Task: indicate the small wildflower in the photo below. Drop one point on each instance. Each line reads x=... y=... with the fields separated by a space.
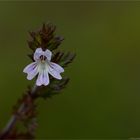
x=43 y=67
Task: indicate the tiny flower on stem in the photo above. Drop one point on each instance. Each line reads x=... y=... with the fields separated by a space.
x=43 y=67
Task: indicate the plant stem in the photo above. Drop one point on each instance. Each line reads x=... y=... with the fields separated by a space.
x=12 y=121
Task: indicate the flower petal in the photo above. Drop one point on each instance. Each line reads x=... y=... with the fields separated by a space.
x=48 y=54
x=56 y=67
x=30 y=67
x=54 y=73
x=38 y=53
x=39 y=80
x=32 y=73
x=46 y=78
x=43 y=78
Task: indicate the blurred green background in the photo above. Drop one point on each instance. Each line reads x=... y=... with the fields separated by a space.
x=102 y=99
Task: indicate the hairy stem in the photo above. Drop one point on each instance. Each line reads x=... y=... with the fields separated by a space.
x=12 y=121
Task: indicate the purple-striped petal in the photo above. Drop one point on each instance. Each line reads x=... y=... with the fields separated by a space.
x=56 y=67
x=48 y=54
x=43 y=78
x=30 y=67
x=38 y=53
x=54 y=73
x=46 y=78
x=32 y=73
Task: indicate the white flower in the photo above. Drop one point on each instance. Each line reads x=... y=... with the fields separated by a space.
x=43 y=67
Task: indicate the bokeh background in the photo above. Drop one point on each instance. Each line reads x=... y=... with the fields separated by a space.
x=102 y=99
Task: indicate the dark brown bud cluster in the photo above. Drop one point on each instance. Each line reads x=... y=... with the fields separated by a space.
x=45 y=38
